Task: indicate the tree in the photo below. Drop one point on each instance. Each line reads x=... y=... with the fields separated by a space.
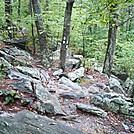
x=39 y=23
x=112 y=33
x=45 y=53
x=8 y=12
x=66 y=33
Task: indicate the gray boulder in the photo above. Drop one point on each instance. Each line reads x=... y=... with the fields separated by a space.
x=115 y=85
x=70 y=84
x=78 y=73
x=11 y=59
x=49 y=102
x=24 y=86
x=14 y=51
x=93 y=89
x=129 y=85
x=26 y=122
x=73 y=63
x=114 y=102
x=57 y=72
x=91 y=109
x=32 y=72
x=72 y=95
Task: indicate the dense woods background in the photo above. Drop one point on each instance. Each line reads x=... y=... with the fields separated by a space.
x=92 y=32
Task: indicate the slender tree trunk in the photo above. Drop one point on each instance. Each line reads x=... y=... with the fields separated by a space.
x=66 y=33
x=45 y=52
x=19 y=6
x=39 y=23
x=8 y=12
x=32 y=27
x=112 y=34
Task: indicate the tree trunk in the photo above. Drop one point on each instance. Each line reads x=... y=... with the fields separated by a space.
x=112 y=33
x=66 y=33
x=32 y=27
x=45 y=52
x=19 y=6
x=39 y=23
x=8 y=12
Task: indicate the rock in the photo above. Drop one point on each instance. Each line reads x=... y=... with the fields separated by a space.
x=122 y=77
x=18 y=76
x=14 y=51
x=72 y=95
x=70 y=117
x=51 y=90
x=19 y=42
x=101 y=85
x=7 y=63
x=128 y=126
x=63 y=86
x=7 y=57
x=91 y=109
x=93 y=89
x=32 y=72
x=44 y=74
x=25 y=122
x=114 y=102
x=125 y=127
x=26 y=101
x=24 y=86
x=11 y=59
x=73 y=63
x=56 y=55
x=90 y=77
x=70 y=84
x=58 y=72
x=98 y=69
x=129 y=85
x=115 y=85
x=78 y=73
x=78 y=56
x=132 y=129
x=49 y=102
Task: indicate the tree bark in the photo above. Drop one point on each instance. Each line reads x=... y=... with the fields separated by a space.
x=66 y=33
x=39 y=23
x=32 y=27
x=112 y=34
x=45 y=52
x=8 y=12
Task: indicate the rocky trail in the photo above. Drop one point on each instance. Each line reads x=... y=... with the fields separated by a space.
x=38 y=100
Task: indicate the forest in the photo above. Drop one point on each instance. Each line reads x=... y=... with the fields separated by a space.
x=88 y=34
x=67 y=61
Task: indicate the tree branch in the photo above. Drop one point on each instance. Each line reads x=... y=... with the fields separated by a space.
x=125 y=20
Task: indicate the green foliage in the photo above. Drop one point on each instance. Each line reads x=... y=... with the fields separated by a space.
x=89 y=26
x=10 y=95
x=3 y=68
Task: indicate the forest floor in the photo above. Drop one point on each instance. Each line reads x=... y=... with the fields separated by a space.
x=91 y=124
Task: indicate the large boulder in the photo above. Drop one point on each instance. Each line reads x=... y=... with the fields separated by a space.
x=114 y=102
x=115 y=85
x=14 y=51
x=72 y=95
x=48 y=102
x=26 y=122
x=33 y=72
x=91 y=109
x=69 y=83
x=78 y=73
x=129 y=86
